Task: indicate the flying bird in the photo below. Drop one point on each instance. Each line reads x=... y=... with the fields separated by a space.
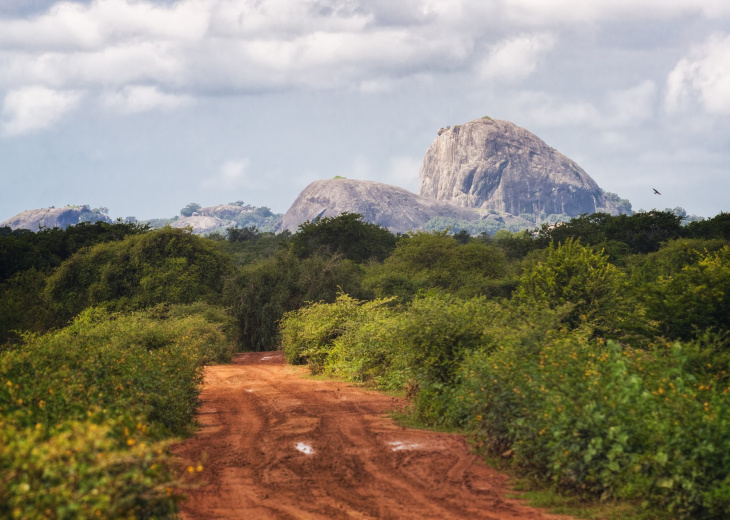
x=656 y=192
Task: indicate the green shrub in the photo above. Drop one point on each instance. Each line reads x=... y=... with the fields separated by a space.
x=573 y=274
x=83 y=470
x=347 y=234
x=694 y=299
x=308 y=334
x=598 y=419
x=168 y=265
x=424 y=261
x=84 y=412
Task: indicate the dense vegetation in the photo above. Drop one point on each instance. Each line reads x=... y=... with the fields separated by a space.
x=593 y=355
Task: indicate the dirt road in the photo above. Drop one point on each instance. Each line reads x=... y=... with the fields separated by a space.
x=278 y=446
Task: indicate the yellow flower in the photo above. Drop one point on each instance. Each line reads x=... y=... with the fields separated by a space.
x=130 y=442
x=191 y=469
x=199 y=468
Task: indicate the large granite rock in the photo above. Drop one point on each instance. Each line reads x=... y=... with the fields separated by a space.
x=492 y=164
x=34 y=219
x=392 y=207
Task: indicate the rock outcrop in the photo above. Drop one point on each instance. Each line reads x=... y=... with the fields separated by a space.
x=392 y=207
x=34 y=219
x=202 y=224
x=492 y=164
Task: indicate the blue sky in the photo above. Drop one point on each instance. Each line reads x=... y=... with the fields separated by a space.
x=144 y=106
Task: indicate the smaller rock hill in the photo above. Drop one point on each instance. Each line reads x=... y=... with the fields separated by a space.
x=34 y=219
x=389 y=206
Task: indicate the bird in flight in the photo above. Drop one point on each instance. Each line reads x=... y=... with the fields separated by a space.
x=656 y=192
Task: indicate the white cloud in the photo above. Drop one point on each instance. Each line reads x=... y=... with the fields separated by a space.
x=197 y=47
x=515 y=58
x=703 y=77
x=564 y=12
x=231 y=174
x=34 y=108
x=140 y=98
x=621 y=108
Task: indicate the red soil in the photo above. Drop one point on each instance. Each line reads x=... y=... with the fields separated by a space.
x=259 y=419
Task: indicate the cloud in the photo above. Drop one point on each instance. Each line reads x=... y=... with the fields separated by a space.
x=620 y=108
x=515 y=58
x=117 y=49
x=34 y=108
x=703 y=77
x=231 y=174
x=139 y=98
x=569 y=12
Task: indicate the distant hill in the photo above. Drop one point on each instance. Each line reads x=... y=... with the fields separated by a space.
x=34 y=219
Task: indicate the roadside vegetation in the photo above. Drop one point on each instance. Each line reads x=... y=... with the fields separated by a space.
x=593 y=356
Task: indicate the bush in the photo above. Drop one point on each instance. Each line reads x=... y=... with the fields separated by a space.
x=598 y=419
x=84 y=412
x=573 y=274
x=436 y=260
x=694 y=299
x=347 y=234
x=168 y=265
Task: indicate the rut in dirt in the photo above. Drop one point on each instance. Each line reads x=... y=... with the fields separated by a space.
x=275 y=445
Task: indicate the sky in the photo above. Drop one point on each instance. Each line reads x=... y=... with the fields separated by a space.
x=143 y=106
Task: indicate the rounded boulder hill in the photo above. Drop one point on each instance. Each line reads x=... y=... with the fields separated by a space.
x=490 y=164
x=35 y=219
x=392 y=207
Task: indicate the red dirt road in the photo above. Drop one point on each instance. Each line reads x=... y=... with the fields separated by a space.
x=278 y=446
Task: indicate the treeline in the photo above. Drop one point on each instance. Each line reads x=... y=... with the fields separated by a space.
x=591 y=354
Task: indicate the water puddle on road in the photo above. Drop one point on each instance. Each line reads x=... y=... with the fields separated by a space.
x=398 y=445
x=305 y=448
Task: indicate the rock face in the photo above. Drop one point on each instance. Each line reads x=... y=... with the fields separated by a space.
x=389 y=206
x=492 y=164
x=202 y=224
x=34 y=219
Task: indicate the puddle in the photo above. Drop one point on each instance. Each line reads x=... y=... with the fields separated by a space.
x=266 y=357
x=305 y=448
x=398 y=445
x=249 y=389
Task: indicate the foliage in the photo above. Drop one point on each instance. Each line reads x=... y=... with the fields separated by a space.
x=167 y=265
x=308 y=334
x=599 y=419
x=21 y=249
x=191 y=208
x=715 y=227
x=347 y=234
x=694 y=299
x=573 y=274
x=263 y=291
x=642 y=232
x=423 y=261
x=84 y=412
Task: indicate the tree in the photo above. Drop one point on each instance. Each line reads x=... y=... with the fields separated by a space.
x=191 y=208
x=347 y=234
x=577 y=275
